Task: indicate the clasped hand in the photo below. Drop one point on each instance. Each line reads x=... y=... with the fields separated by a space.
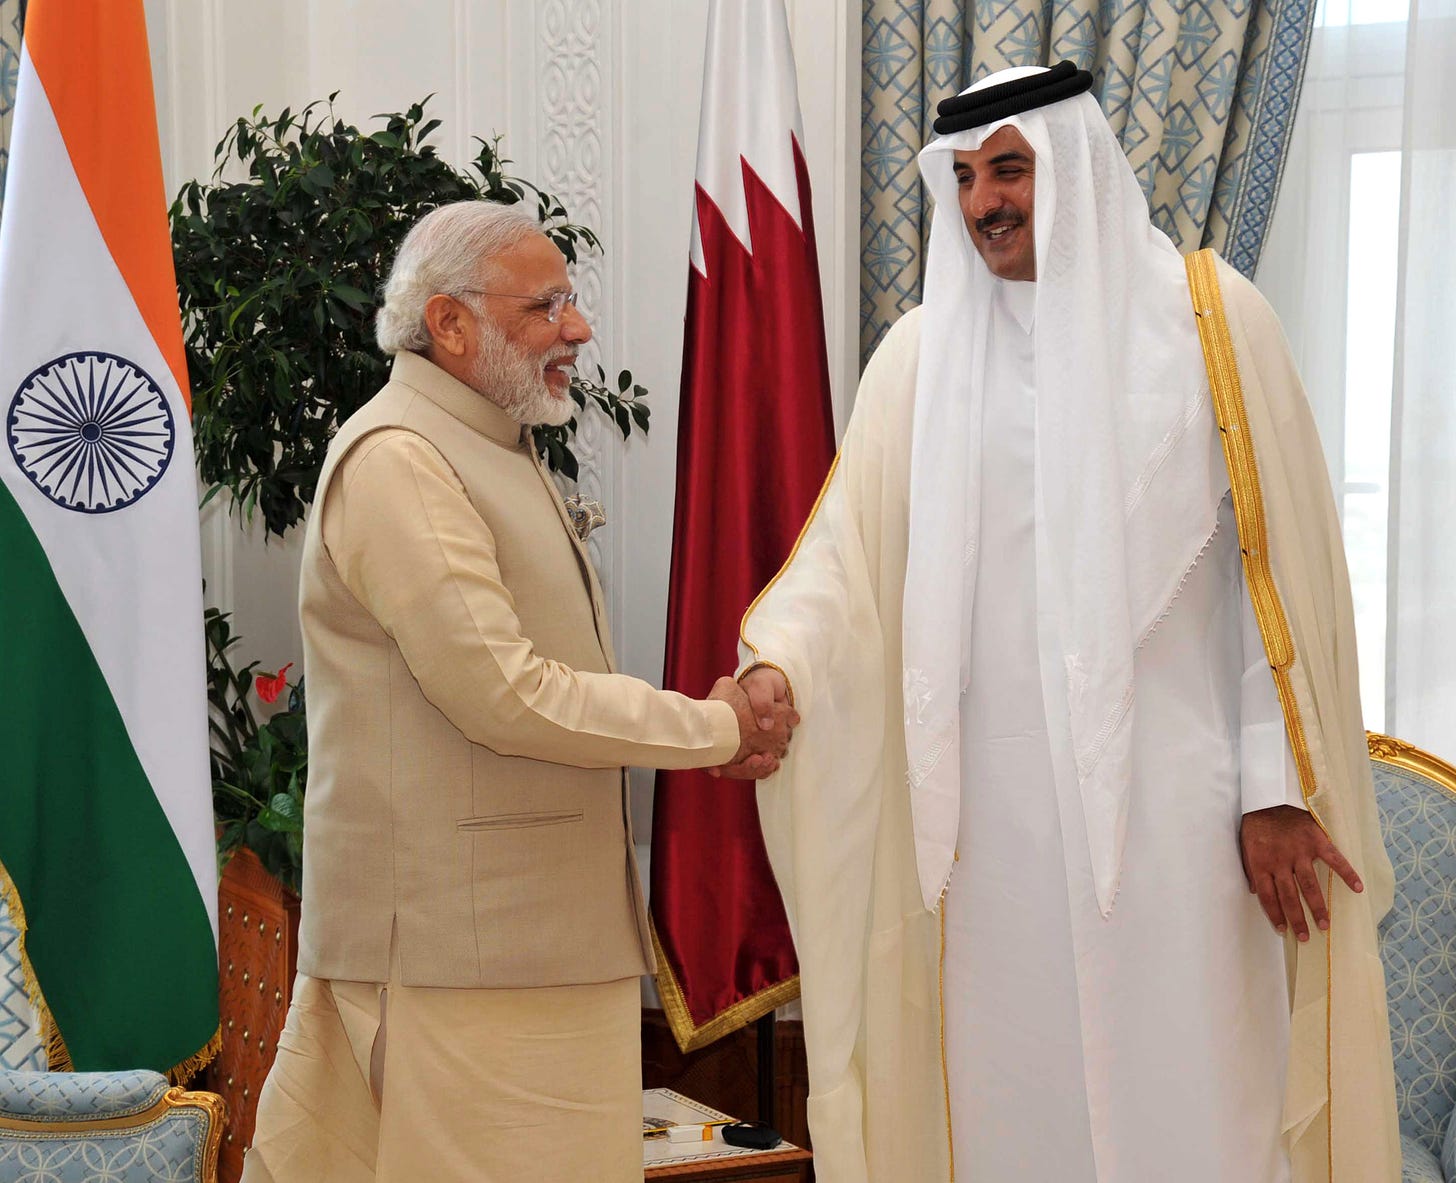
x=766 y=721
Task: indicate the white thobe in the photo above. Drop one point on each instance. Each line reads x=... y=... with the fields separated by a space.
x=1150 y=1043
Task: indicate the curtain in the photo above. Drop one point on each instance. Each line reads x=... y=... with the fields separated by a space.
x=1420 y=660
x=1201 y=94
x=10 y=20
x=1359 y=264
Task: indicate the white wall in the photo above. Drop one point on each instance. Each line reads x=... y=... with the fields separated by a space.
x=598 y=101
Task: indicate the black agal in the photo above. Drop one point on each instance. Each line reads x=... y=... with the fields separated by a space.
x=980 y=107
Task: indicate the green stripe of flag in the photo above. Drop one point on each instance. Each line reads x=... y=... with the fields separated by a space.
x=118 y=936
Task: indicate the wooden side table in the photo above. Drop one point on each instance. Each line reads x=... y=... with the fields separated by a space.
x=790 y=1165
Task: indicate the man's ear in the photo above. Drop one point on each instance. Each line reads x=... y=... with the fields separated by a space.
x=449 y=325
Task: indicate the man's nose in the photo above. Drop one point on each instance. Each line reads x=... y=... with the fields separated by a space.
x=984 y=199
x=574 y=328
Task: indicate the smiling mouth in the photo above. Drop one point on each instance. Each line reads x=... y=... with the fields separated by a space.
x=1000 y=232
x=560 y=366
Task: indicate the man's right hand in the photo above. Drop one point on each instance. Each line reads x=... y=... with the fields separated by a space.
x=763 y=731
x=766 y=687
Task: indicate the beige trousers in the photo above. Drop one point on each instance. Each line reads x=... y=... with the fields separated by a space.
x=396 y=1084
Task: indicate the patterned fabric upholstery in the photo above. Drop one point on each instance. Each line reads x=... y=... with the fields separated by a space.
x=20 y=1044
x=169 y=1142
x=1418 y=1165
x=77 y=1096
x=1418 y=944
x=1201 y=94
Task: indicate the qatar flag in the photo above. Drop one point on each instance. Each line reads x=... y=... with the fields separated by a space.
x=755 y=441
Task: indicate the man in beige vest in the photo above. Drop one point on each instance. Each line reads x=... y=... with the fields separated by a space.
x=473 y=930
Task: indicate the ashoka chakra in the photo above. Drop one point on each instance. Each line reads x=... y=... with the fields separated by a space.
x=91 y=430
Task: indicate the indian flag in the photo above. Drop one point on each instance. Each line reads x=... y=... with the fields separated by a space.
x=106 y=833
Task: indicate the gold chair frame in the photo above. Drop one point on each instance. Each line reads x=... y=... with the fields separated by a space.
x=1396 y=752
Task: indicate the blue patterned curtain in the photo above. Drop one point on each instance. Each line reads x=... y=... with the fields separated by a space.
x=10 y=17
x=1201 y=93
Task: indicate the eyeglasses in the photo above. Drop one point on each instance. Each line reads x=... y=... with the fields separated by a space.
x=553 y=305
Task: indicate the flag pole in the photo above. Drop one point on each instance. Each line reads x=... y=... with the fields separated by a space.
x=766 y=1068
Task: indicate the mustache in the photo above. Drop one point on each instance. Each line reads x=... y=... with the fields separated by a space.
x=998 y=217
x=562 y=359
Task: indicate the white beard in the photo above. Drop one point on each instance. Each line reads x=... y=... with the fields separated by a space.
x=515 y=381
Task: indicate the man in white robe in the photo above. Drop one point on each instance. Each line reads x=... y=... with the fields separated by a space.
x=1021 y=594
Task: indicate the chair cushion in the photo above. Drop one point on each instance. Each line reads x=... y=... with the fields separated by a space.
x=1448 y=1150
x=61 y=1146
x=79 y=1096
x=167 y=1148
x=1417 y=1164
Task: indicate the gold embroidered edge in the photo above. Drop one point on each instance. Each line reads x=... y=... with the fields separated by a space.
x=691 y=1036
x=944 y=1063
x=1243 y=469
x=798 y=542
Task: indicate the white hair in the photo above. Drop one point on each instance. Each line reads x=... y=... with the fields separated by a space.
x=450 y=249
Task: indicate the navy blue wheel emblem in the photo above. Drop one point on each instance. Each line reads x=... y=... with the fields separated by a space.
x=91 y=430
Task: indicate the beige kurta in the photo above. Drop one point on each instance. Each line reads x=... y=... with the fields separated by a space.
x=468 y=845
x=837 y=818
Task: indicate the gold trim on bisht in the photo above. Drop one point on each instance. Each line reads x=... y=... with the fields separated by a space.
x=1396 y=752
x=1243 y=470
x=798 y=542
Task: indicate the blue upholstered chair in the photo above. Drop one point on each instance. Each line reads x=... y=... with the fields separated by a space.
x=123 y=1127
x=75 y=1127
x=1417 y=797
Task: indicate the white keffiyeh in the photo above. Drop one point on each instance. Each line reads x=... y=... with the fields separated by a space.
x=1128 y=473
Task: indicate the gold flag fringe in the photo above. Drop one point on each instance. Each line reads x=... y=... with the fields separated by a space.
x=58 y=1056
x=50 y=1038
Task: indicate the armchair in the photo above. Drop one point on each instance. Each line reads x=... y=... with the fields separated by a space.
x=129 y=1127
x=1416 y=793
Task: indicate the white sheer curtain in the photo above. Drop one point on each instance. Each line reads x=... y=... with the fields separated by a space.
x=1359 y=264
x=1420 y=680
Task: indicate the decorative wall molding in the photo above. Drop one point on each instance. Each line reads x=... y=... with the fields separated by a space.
x=574 y=104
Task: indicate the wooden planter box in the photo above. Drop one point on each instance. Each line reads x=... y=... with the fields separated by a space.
x=257 y=956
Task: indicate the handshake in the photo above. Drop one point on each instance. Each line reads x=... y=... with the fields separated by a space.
x=766 y=721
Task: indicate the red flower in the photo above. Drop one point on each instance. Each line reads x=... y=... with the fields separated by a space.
x=270 y=686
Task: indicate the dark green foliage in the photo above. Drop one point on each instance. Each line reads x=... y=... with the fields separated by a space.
x=259 y=770
x=279 y=274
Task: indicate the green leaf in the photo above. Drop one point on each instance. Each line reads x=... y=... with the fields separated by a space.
x=283 y=814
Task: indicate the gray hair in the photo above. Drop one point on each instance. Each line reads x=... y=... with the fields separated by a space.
x=448 y=250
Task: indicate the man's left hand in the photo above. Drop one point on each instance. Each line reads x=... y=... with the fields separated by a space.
x=1279 y=848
